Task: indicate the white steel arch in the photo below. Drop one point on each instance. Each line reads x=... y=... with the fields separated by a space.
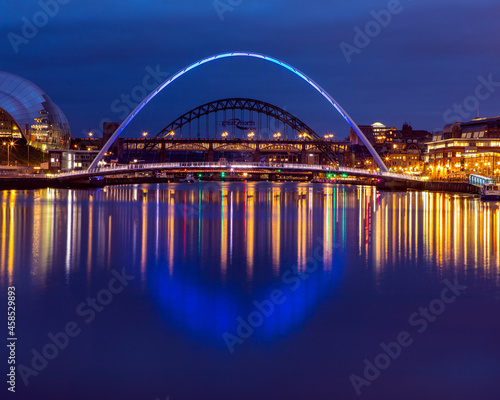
x=174 y=77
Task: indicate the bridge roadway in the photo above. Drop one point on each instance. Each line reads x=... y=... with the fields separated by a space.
x=113 y=169
x=143 y=148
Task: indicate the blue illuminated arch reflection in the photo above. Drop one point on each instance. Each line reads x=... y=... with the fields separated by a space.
x=208 y=312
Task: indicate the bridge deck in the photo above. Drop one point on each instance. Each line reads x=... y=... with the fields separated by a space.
x=236 y=166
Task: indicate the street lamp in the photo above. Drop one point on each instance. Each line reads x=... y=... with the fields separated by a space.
x=225 y=134
x=5 y=144
x=44 y=147
x=144 y=135
x=277 y=135
x=251 y=135
x=9 y=145
x=90 y=134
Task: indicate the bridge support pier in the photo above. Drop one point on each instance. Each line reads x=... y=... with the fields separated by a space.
x=256 y=154
x=210 y=153
x=303 y=155
x=162 y=155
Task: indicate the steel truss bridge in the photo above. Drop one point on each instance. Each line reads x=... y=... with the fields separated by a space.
x=295 y=137
x=252 y=167
x=297 y=150
x=273 y=114
x=260 y=107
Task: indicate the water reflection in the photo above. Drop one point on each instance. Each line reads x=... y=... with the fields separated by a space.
x=208 y=250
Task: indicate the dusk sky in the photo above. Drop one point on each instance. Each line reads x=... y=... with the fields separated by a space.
x=429 y=57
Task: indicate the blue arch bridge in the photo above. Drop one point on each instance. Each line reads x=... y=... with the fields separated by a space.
x=297 y=140
x=282 y=117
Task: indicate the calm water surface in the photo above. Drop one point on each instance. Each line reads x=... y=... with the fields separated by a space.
x=351 y=266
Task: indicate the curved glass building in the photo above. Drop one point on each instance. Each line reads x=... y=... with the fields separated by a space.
x=31 y=113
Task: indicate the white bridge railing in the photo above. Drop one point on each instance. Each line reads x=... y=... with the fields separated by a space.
x=117 y=168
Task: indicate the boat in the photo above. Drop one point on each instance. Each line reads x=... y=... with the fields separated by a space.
x=490 y=191
x=188 y=179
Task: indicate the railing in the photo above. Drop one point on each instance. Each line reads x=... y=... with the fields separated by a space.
x=18 y=175
x=233 y=165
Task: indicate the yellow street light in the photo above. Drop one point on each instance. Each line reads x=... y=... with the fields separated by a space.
x=144 y=134
x=225 y=134
x=9 y=145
